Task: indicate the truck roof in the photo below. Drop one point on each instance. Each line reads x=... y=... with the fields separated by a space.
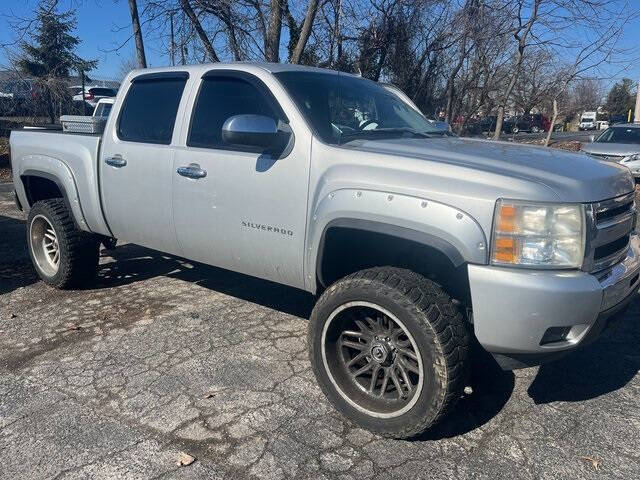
x=202 y=68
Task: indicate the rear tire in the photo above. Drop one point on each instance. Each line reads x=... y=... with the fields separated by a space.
x=390 y=350
x=62 y=255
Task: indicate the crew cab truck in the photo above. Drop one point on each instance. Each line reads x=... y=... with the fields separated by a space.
x=416 y=242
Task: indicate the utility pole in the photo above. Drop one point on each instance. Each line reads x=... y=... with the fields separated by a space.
x=182 y=42
x=172 y=45
x=84 y=102
x=636 y=116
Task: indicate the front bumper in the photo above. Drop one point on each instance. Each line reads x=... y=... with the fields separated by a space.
x=514 y=308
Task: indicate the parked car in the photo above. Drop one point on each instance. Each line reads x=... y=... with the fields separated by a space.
x=619 y=143
x=481 y=125
x=588 y=121
x=415 y=241
x=529 y=123
x=613 y=119
x=91 y=94
x=103 y=107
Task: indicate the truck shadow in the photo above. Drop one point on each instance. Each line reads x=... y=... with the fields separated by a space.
x=15 y=266
x=492 y=388
x=134 y=263
x=600 y=368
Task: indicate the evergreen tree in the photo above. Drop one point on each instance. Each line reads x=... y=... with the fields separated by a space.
x=50 y=59
x=620 y=98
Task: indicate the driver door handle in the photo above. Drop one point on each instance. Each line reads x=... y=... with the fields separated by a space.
x=192 y=170
x=115 y=161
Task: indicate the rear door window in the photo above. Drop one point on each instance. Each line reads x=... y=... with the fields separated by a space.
x=149 y=111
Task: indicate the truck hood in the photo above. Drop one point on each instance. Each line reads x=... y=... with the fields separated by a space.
x=611 y=149
x=573 y=177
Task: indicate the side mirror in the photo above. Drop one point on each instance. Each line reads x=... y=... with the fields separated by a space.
x=592 y=138
x=251 y=130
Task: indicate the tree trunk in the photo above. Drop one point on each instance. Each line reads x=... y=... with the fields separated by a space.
x=522 y=43
x=272 y=41
x=553 y=122
x=186 y=8
x=312 y=9
x=50 y=109
x=137 y=33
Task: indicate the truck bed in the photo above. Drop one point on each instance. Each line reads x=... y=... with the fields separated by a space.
x=73 y=156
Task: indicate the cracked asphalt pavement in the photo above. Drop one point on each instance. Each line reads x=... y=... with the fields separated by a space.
x=162 y=356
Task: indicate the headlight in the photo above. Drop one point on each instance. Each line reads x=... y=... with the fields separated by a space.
x=540 y=235
x=631 y=158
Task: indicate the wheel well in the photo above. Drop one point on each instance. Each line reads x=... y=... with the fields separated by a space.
x=40 y=188
x=348 y=250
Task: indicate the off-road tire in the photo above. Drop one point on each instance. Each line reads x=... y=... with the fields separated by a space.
x=79 y=250
x=435 y=323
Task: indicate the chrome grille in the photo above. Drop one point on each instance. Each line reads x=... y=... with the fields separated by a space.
x=609 y=226
x=607 y=156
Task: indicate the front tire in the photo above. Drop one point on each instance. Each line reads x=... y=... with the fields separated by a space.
x=62 y=255
x=389 y=349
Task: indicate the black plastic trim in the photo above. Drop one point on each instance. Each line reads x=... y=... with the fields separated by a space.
x=451 y=252
x=180 y=75
x=17 y=201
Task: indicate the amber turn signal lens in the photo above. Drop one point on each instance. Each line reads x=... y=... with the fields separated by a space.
x=505 y=250
x=507 y=219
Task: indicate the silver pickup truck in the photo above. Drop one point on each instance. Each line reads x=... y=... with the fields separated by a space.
x=418 y=243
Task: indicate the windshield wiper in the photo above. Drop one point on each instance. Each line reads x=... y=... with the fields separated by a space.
x=347 y=137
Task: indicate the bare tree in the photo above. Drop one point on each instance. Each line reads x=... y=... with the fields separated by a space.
x=188 y=10
x=272 y=39
x=521 y=34
x=137 y=33
x=305 y=32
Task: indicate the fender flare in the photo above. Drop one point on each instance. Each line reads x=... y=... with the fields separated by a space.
x=443 y=227
x=59 y=173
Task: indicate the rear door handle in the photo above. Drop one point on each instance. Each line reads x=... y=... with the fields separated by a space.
x=115 y=161
x=192 y=170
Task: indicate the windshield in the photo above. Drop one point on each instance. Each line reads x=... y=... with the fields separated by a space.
x=342 y=108
x=587 y=119
x=620 y=135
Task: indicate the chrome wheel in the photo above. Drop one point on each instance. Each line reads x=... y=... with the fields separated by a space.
x=44 y=245
x=372 y=359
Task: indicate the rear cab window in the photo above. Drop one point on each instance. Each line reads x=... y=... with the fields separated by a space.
x=148 y=114
x=103 y=92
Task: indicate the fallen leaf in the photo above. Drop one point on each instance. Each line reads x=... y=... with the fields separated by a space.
x=185 y=459
x=147 y=311
x=13 y=315
x=594 y=462
x=74 y=327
